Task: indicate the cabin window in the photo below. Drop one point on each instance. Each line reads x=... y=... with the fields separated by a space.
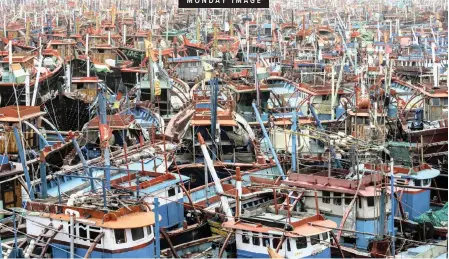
x=417 y=182
x=337 y=200
x=82 y=231
x=444 y=101
x=436 y=101
x=93 y=233
x=326 y=197
x=370 y=201
x=360 y=203
x=266 y=241
x=149 y=231
x=301 y=242
x=179 y=189
x=348 y=199
x=120 y=236
x=326 y=97
x=137 y=233
x=276 y=241
x=256 y=240
x=401 y=181
x=325 y=236
x=425 y=182
x=245 y=238
x=171 y=192
x=289 y=248
x=315 y=239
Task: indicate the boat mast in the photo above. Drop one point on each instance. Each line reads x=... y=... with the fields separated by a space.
x=267 y=138
x=213 y=84
x=105 y=144
x=217 y=182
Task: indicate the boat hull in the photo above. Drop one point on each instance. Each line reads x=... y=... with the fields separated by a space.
x=145 y=250
x=47 y=85
x=326 y=253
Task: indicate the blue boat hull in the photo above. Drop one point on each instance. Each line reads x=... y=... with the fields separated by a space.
x=63 y=251
x=326 y=253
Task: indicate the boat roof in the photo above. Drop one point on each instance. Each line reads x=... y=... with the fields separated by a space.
x=116 y=121
x=202 y=117
x=132 y=216
x=78 y=80
x=301 y=226
x=149 y=182
x=19 y=113
x=62 y=42
x=184 y=59
x=16 y=58
x=423 y=171
x=316 y=178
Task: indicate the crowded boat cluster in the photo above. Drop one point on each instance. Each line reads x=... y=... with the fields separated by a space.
x=309 y=129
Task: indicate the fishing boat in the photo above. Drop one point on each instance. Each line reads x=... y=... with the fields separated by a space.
x=82 y=229
x=292 y=237
x=20 y=71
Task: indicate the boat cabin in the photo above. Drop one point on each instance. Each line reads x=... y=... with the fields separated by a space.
x=121 y=127
x=294 y=236
x=124 y=232
x=16 y=72
x=163 y=185
x=336 y=190
x=416 y=201
x=64 y=48
x=12 y=116
x=189 y=69
x=108 y=55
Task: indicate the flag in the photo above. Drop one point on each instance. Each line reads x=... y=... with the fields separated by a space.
x=148 y=46
x=157 y=88
x=105 y=132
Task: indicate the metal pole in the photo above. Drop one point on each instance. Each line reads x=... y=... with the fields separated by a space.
x=218 y=187
x=333 y=91
x=273 y=152
x=382 y=213
x=238 y=186
x=68 y=78
x=137 y=185
x=87 y=56
x=103 y=120
x=15 y=235
x=256 y=83
x=59 y=190
x=206 y=183
x=27 y=89
x=72 y=235
x=43 y=171
x=213 y=84
x=392 y=207
x=23 y=161
x=36 y=82
x=156 y=226
x=294 y=127
x=103 y=186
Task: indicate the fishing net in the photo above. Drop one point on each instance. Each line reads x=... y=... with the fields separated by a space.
x=436 y=218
